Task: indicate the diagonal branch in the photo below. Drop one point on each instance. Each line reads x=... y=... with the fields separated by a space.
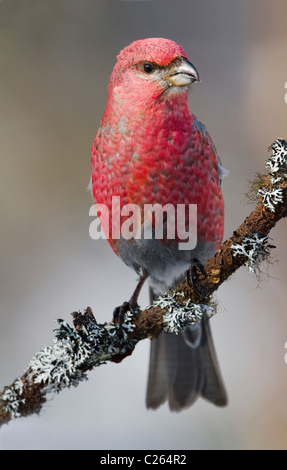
x=87 y=344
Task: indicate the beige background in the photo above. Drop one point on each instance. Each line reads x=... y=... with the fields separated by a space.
x=55 y=60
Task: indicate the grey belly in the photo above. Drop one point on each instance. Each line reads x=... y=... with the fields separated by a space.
x=166 y=265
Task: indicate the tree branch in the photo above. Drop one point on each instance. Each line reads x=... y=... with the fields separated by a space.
x=87 y=344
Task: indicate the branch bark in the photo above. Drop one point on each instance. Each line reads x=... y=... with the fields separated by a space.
x=87 y=344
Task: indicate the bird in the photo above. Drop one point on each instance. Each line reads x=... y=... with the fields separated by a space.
x=151 y=150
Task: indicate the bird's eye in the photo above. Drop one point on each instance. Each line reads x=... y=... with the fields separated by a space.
x=148 y=67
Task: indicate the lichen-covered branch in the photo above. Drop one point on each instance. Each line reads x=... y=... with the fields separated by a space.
x=87 y=344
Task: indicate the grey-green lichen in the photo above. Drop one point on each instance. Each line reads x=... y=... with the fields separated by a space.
x=74 y=352
x=65 y=363
x=277 y=165
x=11 y=398
x=271 y=197
x=58 y=366
x=178 y=317
x=255 y=248
x=278 y=161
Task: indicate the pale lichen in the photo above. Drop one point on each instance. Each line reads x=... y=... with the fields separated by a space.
x=58 y=366
x=255 y=248
x=277 y=163
x=12 y=398
x=271 y=197
x=178 y=317
x=74 y=352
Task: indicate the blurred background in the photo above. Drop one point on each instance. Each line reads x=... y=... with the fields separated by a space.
x=56 y=57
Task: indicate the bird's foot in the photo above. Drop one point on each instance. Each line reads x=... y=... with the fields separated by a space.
x=191 y=275
x=132 y=305
x=119 y=312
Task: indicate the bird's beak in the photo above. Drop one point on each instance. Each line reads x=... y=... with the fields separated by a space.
x=182 y=73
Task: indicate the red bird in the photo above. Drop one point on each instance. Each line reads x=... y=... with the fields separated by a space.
x=150 y=149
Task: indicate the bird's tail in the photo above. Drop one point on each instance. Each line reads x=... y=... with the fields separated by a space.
x=184 y=367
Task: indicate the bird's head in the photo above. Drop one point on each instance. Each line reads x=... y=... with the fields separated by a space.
x=150 y=67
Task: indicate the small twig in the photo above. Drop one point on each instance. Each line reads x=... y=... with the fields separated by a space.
x=88 y=344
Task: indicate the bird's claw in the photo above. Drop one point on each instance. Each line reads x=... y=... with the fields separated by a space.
x=191 y=275
x=119 y=312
